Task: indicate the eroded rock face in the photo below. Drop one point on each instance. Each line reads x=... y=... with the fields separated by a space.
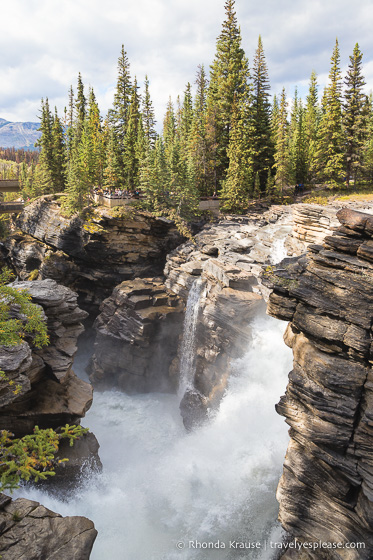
x=228 y=259
x=138 y=331
x=50 y=393
x=29 y=531
x=90 y=256
x=326 y=490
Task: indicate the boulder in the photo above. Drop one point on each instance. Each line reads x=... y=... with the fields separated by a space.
x=29 y=531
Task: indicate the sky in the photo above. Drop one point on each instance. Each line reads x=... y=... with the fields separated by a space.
x=44 y=44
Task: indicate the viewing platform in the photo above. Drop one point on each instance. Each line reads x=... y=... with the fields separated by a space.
x=9 y=185
x=11 y=207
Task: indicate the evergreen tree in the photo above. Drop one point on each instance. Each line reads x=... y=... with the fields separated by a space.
x=274 y=119
x=269 y=184
x=69 y=121
x=311 y=124
x=297 y=145
x=154 y=178
x=43 y=179
x=263 y=147
x=198 y=142
x=80 y=109
x=354 y=116
x=112 y=172
x=118 y=116
x=90 y=148
x=239 y=184
x=169 y=132
x=330 y=139
x=225 y=80
x=282 y=163
x=131 y=154
x=78 y=187
x=148 y=117
x=368 y=147
x=58 y=163
x=257 y=191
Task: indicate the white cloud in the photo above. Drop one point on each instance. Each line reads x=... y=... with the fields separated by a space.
x=45 y=43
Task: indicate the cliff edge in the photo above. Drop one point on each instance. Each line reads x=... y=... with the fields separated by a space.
x=326 y=490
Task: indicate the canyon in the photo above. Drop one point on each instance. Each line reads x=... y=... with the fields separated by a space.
x=133 y=274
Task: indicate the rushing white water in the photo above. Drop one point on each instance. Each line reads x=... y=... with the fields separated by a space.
x=187 y=355
x=161 y=485
x=278 y=250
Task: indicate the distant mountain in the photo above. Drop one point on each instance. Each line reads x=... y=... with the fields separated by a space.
x=18 y=134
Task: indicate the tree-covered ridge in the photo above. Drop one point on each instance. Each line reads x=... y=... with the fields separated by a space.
x=227 y=139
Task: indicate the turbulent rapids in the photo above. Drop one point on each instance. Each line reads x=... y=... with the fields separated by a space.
x=162 y=486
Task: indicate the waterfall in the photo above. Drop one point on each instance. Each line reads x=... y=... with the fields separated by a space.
x=162 y=486
x=187 y=354
x=278 y=251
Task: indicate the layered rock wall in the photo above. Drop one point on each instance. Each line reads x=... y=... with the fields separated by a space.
x=137 y=336
x=50 y=393
x=91 y=255
x=326 y=490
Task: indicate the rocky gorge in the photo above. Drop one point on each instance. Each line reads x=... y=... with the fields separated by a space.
x=115 y=264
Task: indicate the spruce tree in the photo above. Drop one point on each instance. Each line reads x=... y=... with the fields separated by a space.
x=198 y=142
x=58 y=167
x=368 y=147
x=274 y=119
x=154 y=178
x=263 y=148
x=91 y=143
x=43 y=179
x=130 y=152
x=330 y=138
x=311 y=124
x=80 y=109
x=240 y=175
x=354 y=116
x=297 y=145
x=112 y=172
x=169 y=132
x=118 y=116
x=225 y=80
x=148 y=118
x=282 y=163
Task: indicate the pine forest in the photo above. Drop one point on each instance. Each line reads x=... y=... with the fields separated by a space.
x=230 y=139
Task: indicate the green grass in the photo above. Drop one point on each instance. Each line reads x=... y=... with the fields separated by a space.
x=363 y=192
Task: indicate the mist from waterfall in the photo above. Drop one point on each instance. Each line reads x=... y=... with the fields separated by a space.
x=187 y=353
x=161 y=485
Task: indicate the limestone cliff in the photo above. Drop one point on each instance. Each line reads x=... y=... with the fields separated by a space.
x=326 y=490
x=92 y=254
